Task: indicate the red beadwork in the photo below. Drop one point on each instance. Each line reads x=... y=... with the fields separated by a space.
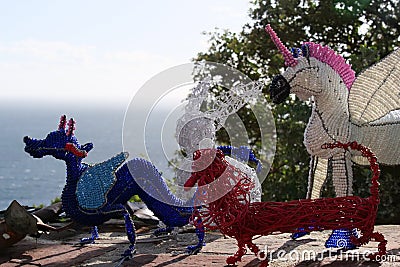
x=235 y=216
x=63 y=122
x=71 y=127
x=74 y=150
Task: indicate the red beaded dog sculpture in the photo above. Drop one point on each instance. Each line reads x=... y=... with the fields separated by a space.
x=235 y=216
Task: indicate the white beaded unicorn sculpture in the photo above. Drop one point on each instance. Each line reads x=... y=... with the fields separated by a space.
x=197 y=128
x=365 y=109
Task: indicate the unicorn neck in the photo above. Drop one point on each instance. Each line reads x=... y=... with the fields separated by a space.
x=334 y=93
x=332 y=108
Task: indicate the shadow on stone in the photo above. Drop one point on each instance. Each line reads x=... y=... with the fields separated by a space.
x=173 y=261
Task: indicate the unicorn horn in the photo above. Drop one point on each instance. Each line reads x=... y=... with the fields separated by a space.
x=289 y=59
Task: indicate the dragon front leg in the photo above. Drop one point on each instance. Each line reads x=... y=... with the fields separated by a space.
x=129 y=227
x=90 y=240
x=200 y=235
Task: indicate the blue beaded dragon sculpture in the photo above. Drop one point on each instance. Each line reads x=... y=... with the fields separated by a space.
x=96 y=193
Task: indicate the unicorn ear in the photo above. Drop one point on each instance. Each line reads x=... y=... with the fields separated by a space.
x=305 y=51
x=295 y=52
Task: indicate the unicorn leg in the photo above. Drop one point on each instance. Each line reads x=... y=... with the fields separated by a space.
x=200 y=235
x=316 y=179
x=90 y=240
x=342 y=176
x=317 y=176
x=300 y=233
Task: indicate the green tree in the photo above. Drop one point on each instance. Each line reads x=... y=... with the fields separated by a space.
x=363 y=31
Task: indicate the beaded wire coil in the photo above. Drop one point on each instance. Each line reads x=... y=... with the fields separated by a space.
x=235 y=216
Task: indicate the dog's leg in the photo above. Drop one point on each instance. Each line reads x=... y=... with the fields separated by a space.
x=381 y=246
x=238 y=255
x=368 y=235
x=260 y=254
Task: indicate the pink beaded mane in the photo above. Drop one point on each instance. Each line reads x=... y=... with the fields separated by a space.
x=335 y=61
x=317 y=51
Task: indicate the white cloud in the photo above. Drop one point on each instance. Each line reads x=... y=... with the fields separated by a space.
x=135 y=57
x=47 y=51
x=31 y=69
x=227 y=12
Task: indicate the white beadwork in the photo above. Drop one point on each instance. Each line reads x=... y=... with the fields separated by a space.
x=196 y=128
x=367 y=115
x=197 y=125
x=255 y=194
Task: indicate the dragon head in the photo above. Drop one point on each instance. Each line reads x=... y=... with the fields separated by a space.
x=61 y=144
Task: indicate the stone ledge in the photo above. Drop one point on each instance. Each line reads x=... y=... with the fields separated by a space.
x=57 y=250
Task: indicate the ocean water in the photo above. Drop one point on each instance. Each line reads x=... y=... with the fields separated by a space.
x=38 y=181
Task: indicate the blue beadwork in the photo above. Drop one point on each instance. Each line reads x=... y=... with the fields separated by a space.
x=130 y=231
x=295 y=52
x=340 y=238
x=164 y=230
x=115 y=188
x=301 y=232
x=96 y=181
x=242 y=153
x=305 y=51
x=200 y=235
x=90 y=240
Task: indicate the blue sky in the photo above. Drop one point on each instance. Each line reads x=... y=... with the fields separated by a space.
x=102 y=50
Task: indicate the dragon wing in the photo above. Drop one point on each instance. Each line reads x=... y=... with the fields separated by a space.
x=96 y=181
x=376 y=91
